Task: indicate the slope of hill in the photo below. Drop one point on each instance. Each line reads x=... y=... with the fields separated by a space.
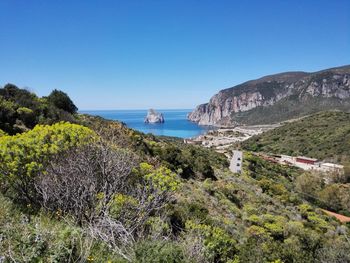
x=96 y=191
x=277 y=97
x=325 y=135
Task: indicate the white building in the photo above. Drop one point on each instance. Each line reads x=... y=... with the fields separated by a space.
x=307 y=163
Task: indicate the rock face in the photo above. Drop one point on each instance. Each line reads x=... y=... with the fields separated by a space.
x=331 y=87
x=154 y=117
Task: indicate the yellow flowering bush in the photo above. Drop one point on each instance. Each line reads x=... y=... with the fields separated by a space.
x=162 y=178
x=23 y=156
x=122 y=202
x=217 y=242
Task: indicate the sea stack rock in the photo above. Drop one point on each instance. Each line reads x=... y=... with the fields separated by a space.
x=154 y=117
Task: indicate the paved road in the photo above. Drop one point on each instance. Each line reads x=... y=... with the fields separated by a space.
x=236 y=161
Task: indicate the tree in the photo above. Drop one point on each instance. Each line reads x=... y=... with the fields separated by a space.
x=7 y=114
x=62 y=101
x=309 y=184
x=19 y=96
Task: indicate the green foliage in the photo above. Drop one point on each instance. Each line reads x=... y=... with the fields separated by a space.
x=332 y=196
x=2 y=133
x=336 y=197
x=309 y=183
x=210 y=215
x=290 y=108
x=151 y=251
x=219 y=245
x=39 y=238
x=23 y=156
x=21 y=110
x=62 y=101
x=162 y=178
x=189 y=161
x=323 y=135
x=120 y=203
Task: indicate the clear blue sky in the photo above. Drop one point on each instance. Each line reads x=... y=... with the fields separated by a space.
x=164 y=54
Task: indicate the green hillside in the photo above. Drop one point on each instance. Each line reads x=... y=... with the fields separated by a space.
x=324 y=135
x=96 y=191
x=289 y=108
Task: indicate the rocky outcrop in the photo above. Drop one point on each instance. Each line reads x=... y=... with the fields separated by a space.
x=154 y=117
x=267 y=91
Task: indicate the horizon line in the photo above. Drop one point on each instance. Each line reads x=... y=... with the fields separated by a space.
x=126 y=109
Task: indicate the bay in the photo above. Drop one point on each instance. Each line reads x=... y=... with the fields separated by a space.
x=176 y=123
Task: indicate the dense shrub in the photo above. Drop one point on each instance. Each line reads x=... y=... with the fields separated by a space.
x=24 y=156
x=83 y=180
x=40 y=238
x=21 y=110
x=62 y=101
x=188 y=161
x=218 y=245
x=151 y=251
x=2 y=133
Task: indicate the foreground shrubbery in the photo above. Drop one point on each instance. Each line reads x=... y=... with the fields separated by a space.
x=87 y=199
x=24 y=156
x=110 y=194
x=73 y=174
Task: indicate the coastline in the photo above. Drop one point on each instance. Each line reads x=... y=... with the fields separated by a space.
x=221 y=138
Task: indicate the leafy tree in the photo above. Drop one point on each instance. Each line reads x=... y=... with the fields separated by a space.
x=19 y=96
x=309 y=184
x=21 y=110
x=62 y=101
x=7 y=114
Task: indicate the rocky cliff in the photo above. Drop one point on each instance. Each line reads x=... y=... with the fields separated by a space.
x=284 y=95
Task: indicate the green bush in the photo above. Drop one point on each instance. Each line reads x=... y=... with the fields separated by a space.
x=40 y=238
x=62 y=101
x=23 y=156
x=151 y=251
x=219 y=245
x=21 y=110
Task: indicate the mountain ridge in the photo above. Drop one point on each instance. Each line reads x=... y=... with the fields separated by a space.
x=228 y=105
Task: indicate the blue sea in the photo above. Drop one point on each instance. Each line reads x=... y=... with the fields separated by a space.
x=176 y=123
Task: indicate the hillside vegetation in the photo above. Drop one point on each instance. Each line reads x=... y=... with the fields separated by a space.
x=324 y=135
x=289 y=108
x=96 y=191
x=21 y=110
